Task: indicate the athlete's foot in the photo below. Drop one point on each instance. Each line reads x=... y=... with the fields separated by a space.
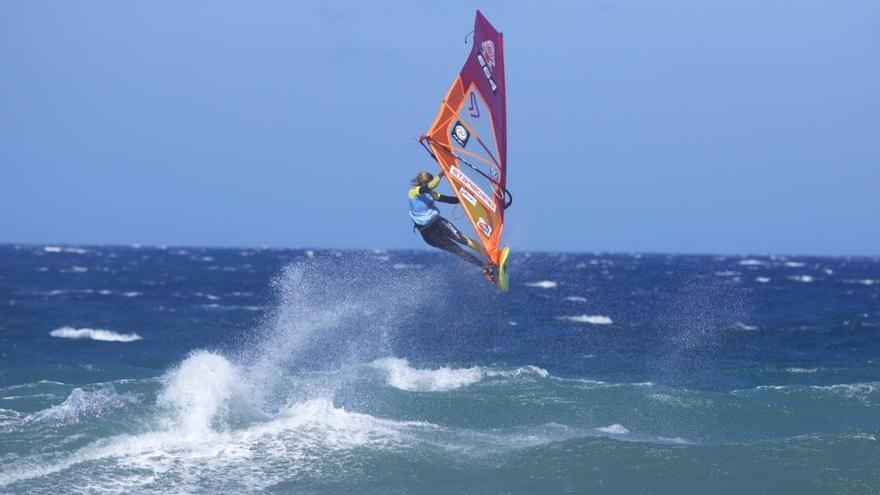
x=490 y=271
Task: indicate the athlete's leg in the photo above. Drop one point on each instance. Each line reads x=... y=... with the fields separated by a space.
x=460 y=238
x=438 y=236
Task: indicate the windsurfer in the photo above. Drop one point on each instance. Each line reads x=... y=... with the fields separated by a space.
x=436 y=230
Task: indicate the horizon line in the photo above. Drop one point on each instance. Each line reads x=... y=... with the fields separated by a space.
x=135 y=245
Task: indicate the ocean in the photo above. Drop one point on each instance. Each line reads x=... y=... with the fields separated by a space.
x=143 y=370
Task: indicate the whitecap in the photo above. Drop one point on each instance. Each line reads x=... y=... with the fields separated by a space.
x=542 y=284
x=751 y=262
x=801 y=278
x=576 y=299
x=93 y=334
x=762 y=280
x=742 y=326
x=81 y=404
x=591 y=319
x=800 y=371
x=615 y=429
x=794 y=264
x=399 y=374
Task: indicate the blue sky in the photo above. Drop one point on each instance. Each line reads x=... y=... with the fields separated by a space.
x=732 y=126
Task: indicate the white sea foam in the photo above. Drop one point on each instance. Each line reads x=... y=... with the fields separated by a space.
x=752 y=262
x=576 y=299
x=81 y=405
x=399 y=374
x=864 y=281
x=801 y=278
x=801 y=371
x=615 y=429
x=93 y=334
x=225 y=307
x=742 y=326
x=59 y=249
x=196 y=440
x=794 y=264
x=591 y=319
x=762 y=280
x=542 y=284
x=521 y=371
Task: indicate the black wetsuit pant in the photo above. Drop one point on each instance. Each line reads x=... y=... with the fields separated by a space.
x=442 y=234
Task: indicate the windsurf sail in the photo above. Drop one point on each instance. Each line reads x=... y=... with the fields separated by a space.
x=469 y=137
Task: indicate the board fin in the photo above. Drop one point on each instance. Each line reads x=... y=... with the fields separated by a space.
x=501 y=280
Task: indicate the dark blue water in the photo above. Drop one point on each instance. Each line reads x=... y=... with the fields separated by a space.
x=177 y=370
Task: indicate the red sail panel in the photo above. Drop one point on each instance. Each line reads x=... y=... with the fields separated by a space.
x=469 y=136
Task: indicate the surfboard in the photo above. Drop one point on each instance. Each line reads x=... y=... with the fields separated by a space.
x=468 y=139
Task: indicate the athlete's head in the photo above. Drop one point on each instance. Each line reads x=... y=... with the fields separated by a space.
x=422 y=179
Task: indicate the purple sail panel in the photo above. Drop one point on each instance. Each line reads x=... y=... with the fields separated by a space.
x=485 y=69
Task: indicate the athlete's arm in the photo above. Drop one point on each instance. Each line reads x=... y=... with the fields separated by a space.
x=446 y=199
x=432 y=184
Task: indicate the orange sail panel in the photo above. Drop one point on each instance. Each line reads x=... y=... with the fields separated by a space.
x=469 y=137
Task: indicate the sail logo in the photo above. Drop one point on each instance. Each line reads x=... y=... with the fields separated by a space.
x=473 y=107
x=460 y=134
x=468 y=196
x=487 y=50
x=468 y=183
x=486 y=71
x=484 y=226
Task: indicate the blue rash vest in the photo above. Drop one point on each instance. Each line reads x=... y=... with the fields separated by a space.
x=421 y=204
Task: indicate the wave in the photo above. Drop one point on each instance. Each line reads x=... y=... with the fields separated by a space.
x=399 y=374
x=802 y=278
x=542 y=284
x=93 y=334
x=576 y=299
x=742 y=326
x=81 y=404
x=75 y=269
x=101 y=292
x=615 y=429
x=801 y=371
x=752 y=262
x=865 y=392
x=762 y=280
x=591 y=319
x=60 y=249
x=233 y=307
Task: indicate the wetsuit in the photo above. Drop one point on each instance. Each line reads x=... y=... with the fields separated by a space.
x=436 y=230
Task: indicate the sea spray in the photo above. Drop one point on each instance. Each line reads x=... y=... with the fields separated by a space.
x=331 y=313
x=197 y=393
